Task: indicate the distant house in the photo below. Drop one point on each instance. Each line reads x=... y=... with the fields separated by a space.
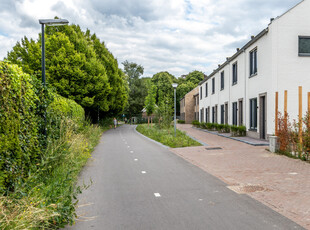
x=241 y=91
x=188 y=106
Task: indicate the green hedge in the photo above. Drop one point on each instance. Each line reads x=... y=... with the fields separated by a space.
x=24 y=104
x=222 y=128
x=19 y=130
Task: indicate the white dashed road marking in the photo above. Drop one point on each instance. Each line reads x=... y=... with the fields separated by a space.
x=157 y=195
x=136 y=159
x=143 y=172
x=131 y=151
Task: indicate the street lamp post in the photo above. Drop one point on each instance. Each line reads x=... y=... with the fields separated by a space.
x=48 y=22
x=175 y=85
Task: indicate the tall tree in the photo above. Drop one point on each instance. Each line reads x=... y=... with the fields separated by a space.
x=137 y=88
x=163 y=82
x=78 y=65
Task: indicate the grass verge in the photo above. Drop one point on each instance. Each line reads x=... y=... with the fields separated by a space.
x=47 y=199
x=166 y=136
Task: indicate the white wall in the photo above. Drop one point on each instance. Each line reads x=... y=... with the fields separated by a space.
x=291 y=70
x=279 y=68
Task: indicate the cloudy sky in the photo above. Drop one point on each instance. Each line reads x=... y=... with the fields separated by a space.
x=178 y=36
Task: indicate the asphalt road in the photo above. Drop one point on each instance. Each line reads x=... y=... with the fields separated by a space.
x=138 y=184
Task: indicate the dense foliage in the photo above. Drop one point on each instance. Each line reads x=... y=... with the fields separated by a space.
x=137 y=88
x=163 y=82
x=78 y=65
x=150 y=100
x=38 y=169
x=19 y=124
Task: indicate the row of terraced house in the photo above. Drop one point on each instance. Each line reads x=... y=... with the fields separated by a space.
x=241 y=91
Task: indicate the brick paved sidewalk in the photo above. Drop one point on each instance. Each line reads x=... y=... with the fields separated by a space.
x=277 y=181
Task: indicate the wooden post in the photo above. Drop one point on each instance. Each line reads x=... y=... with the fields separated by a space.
x=151 y=122
x=300 y=113
x=276 y=114
x=285 y=109
x=148 y=121
x=308 y=111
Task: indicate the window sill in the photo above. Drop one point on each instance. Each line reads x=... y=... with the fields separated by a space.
x=304 y=55
x=222 y=89
x=234 y=83
x=253 y=75
x=252 y=130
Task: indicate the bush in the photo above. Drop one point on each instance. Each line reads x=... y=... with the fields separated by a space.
x=238 y=130
x=38 y=172
x=19 y=125
x=195 y=123
x=220 y=128
x=181 y=122
x=226 y=128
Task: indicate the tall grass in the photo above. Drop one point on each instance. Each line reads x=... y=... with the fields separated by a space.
x=166 y=136
x=47 y=199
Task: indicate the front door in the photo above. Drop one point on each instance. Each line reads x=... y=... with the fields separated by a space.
x=262 y=117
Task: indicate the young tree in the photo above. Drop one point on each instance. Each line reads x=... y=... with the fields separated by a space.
x=150 y=102
x=164 y=112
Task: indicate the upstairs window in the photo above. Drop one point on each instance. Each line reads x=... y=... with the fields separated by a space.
x=200 y=92
x=213 y=85
x=253 y=62
x=234 y=73
x=304 y=45
x=206 y=89
x=222 y=80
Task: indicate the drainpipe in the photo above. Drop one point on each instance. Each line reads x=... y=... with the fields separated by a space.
x=245 y=96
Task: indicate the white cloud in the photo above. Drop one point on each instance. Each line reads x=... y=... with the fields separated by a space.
x=163 y=35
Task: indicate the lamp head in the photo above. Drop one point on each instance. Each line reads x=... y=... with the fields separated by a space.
x=174 y=85
x=54 y=22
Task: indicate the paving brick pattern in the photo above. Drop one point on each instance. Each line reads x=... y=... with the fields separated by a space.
x=284 y=183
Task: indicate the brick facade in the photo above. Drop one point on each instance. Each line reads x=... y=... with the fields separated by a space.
x=189 y=108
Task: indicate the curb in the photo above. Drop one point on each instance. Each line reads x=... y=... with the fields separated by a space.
x=232 y=138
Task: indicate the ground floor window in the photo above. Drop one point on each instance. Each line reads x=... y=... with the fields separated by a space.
x=253 y=113
x=222 y=114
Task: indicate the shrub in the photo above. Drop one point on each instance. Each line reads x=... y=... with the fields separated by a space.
x=209 y=126
x=181 y=121
x=284 y=135
x=195 y=123
x=226 y=128
x=27 y=109
x=202 y=125
x=238 y=130
x=19 y=125
x=220 y=128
